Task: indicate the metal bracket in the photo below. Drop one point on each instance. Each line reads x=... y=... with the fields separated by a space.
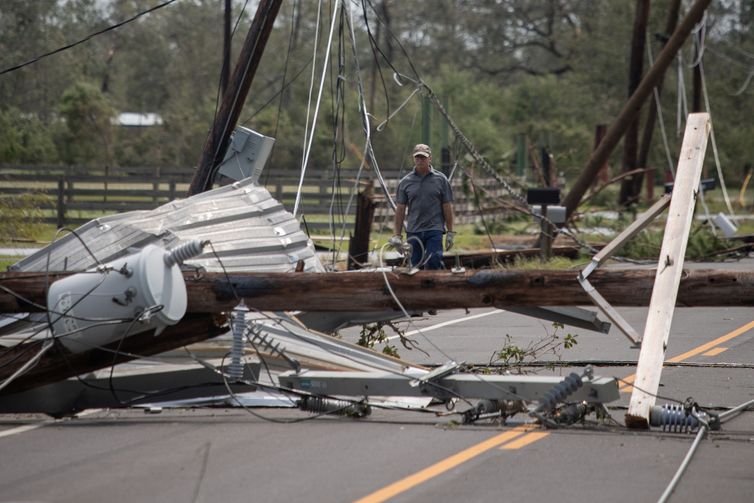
x=613 y=246
x=609 y=311
x=442 y=371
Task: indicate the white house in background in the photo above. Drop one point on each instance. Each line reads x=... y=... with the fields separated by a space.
x=132 y=119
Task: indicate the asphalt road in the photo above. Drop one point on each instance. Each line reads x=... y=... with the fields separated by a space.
x=231 y=455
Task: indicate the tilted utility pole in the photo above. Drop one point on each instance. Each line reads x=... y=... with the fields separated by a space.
x=646 y=138
x=633 y=106
x=225 y=75
x=636 y=67
x=238 y=88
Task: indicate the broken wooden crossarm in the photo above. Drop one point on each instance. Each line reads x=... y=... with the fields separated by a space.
x=366 y=291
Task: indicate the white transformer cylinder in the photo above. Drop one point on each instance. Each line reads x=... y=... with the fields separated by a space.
x=140 y=289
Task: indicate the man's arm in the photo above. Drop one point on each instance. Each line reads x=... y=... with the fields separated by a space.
x=400 y=214
x=447 y=212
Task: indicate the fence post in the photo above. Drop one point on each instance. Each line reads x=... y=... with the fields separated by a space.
x=358 y=246
x=156 y=183
x=61 y=203
x=172 y=189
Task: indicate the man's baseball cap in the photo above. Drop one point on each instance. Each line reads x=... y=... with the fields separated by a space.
x=422 y=150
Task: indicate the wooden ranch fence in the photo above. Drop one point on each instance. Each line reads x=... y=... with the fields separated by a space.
x=77 y=194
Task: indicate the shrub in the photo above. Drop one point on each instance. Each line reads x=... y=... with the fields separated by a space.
x=22 y=216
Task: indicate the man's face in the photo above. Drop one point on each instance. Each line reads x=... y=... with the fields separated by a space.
x=422 y=163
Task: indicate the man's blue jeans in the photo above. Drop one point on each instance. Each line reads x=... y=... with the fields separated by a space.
x=426 y=249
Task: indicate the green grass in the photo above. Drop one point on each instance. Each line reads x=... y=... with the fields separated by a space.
x=555 y=263
x=5 y=262
x=22 y=220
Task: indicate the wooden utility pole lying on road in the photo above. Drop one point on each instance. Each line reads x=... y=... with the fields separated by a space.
x=349 y=291
x=367 y=291
x=58 y=364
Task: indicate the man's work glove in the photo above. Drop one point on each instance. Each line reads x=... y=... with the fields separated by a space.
x=449 y=240
x=396 y=242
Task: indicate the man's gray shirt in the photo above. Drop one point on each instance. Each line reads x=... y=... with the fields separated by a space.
x=424 y=197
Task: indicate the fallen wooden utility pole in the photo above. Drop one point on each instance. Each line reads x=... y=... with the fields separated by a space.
x=58 y=364
x=367 y=291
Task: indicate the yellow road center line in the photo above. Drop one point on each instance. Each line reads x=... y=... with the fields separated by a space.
x=527 y=439
x=712 y=344
x=440 y=467
x=625 y=388
x=714 y=352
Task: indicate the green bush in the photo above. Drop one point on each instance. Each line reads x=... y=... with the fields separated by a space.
x=702 y=244
x=22 y=215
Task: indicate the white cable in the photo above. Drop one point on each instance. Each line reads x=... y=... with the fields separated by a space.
x=365 y=124
x=684 y=464
x=707 y=217
x=699 y=44
x=660 y=119
x=732 y=412
x=28 y=365
x=683 y=106
x=664 y=134
x=308 y=144
x=745 y=85
x=714 y=143
x=480 y=378
x=381 y=126
x=403 y=309
x=311 y=80
x=368 y=150
x=748 y=67
x=700 y=32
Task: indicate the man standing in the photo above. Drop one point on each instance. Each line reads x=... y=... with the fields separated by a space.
x=427 y=195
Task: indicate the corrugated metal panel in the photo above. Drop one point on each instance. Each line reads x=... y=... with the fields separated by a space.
x=249 y=230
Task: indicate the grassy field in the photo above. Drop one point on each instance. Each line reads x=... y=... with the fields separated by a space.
x=21 y=228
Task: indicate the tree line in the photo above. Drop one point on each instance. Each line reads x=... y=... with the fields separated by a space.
x=548 y=71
